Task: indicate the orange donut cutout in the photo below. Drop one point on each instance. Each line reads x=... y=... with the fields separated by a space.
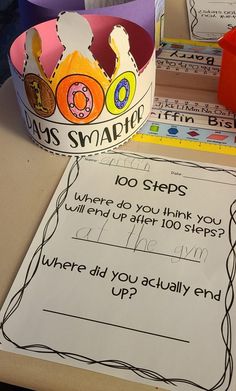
x=80 y=98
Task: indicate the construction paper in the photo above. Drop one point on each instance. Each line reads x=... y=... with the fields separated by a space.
x=209 y=20
x=141 y=12
x=83 y=96
x=159 y=28
x=132 y=273
x=102 y=3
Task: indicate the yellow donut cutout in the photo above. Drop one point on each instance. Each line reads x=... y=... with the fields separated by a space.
x=121 y=93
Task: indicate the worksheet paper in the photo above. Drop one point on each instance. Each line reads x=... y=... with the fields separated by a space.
x=131 y=273
x=209 y=20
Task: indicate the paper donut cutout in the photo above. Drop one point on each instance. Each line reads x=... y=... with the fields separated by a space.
x=121 y=93
x=40 y=95
x=80 y=98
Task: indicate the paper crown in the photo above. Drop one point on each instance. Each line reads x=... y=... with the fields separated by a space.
x=85 y=84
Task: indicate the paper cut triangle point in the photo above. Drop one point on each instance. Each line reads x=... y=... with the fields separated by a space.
x=75 y=33
x=33 y=51
x=120 y=44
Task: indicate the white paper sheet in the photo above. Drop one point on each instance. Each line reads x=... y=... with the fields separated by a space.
x=131 y=273
x=209 y=20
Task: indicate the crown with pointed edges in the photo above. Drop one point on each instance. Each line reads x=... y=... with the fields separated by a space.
x=85 y=84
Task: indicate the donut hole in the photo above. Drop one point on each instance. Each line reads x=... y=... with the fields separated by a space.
x=122 y=94
x=80 y=100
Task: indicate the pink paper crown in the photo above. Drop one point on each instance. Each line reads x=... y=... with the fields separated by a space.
x=85 y=84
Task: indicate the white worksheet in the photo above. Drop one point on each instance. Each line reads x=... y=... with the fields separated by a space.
x=209 y=20
x=132 y=273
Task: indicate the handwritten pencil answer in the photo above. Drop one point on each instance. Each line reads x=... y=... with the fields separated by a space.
x=209 y=20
